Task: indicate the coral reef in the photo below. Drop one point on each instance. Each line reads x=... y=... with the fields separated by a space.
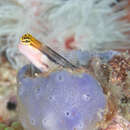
x=113 y=75
x=61 y=99
x=111 y=69
x=8 y=90
x=118 y=123
x=13 y=126
x=77 y=30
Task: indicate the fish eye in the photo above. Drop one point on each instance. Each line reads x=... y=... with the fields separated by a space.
x=26 y=39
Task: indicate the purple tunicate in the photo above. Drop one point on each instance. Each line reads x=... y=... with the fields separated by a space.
x=82 y=58
x=60 y=101
x=108 y=55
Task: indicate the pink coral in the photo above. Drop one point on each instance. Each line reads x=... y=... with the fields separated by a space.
x=118 y=123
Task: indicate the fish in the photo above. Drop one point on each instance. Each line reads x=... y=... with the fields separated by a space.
x=42 y=55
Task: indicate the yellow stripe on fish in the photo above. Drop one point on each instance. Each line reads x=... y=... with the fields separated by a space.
x=28 y=39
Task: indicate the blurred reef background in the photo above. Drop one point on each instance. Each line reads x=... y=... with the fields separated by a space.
x=106 y=57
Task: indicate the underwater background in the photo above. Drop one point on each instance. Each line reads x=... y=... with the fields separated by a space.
x=91 y=34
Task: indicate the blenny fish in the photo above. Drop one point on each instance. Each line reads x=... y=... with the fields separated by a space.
x=41 y=55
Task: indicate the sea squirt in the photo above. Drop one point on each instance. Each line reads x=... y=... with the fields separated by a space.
x=61 y=100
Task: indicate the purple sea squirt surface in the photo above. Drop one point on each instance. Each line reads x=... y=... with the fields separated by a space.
x=61 y=100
